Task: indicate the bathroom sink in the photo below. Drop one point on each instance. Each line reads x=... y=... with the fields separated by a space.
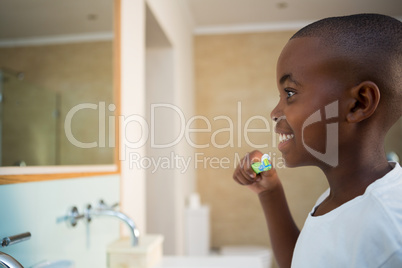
x=146 y=254
x=146 y=242
x=55 y=264
x=210 y=262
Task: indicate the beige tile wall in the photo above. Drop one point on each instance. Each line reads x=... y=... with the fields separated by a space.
x=81 y=73
x=231 y=69
x=28 y=124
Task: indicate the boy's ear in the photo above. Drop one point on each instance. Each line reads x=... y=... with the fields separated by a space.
x=364 y=101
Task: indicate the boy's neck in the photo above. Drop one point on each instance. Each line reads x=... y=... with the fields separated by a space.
x=352 y=176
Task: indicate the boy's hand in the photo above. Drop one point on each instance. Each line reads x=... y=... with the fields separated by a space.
x=245 y=175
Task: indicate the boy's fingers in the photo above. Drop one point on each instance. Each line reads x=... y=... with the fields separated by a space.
x=244 y=174
x=267 y=174
x=246 y=168
x=248 y=173
x=250 y=159
x=241 y=177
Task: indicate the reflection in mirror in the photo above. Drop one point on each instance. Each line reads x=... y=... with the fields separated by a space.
x=28 y=121
x=56 y=83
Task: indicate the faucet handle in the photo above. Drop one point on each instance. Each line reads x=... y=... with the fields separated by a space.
x=103 y=205
x=72 y=217
x=14 y=239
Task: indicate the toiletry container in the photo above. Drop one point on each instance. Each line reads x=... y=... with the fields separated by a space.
x=197 y=230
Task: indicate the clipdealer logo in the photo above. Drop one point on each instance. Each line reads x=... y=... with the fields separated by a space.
x=331 y=155
x=185 y=128
x=235 y=130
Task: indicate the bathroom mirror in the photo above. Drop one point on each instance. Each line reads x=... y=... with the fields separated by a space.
x=58 y=85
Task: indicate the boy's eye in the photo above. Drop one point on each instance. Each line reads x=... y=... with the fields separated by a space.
x=289 y=92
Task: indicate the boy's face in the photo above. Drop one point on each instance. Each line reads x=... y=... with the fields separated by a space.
x=310 y=77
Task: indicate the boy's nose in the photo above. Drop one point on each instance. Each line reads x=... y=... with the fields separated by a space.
x=276 y=113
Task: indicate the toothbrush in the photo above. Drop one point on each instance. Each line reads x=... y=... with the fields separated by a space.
x=264 y=165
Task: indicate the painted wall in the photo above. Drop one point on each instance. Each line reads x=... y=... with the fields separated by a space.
x=169 y=82
x=236 y=91
x=35 y=207
x=142 y=200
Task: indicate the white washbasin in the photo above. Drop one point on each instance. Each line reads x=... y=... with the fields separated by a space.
x=146 y=254
x=210 y=262
x=55 y=264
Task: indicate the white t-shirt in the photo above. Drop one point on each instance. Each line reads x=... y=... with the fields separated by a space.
x=364 y=232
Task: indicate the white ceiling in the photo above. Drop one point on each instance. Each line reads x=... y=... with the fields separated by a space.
x=27 y=18
x=221 y=15
x=218 y=12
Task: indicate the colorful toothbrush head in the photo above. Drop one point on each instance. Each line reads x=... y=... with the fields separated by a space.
x=264 y=165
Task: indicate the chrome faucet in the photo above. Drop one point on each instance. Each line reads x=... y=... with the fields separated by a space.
x=104 y=210
x=73 y=216
x=6 y=260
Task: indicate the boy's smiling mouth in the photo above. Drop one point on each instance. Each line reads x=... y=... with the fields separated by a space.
x=285 y=137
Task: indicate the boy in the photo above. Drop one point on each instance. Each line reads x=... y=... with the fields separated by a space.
x=341 y=78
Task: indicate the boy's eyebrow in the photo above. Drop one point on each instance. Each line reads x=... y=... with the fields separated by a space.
x=288 y=77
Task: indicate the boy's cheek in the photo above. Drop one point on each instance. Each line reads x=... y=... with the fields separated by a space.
x=314 y=136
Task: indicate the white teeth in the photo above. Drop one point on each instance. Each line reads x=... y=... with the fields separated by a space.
x=285 y=137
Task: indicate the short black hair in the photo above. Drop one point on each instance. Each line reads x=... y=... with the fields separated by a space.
x=373 y=42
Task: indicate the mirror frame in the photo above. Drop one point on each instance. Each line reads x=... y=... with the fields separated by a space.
x=17 y=174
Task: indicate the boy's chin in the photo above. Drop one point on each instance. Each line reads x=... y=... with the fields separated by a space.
x=292 y=165
x=291 y=162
